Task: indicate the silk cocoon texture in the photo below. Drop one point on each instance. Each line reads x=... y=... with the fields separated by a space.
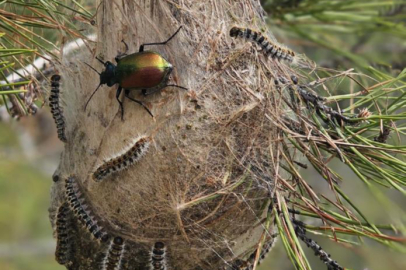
x=203 y=187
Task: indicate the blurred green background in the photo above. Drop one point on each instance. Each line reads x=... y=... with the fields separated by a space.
x=25 y=179
x=366 y=35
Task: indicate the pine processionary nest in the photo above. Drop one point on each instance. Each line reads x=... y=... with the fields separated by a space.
x=204 y=185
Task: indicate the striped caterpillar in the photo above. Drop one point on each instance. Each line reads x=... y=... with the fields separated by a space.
x=82 y=211
x=318 y=103
x=114 y=255
x=384 y=134
x=265 y=250
x=269 y=47
x=158 y=257
x=56 y=108
x=249 y=263
x=318 y=251
x=63 y=243
x=137 y=149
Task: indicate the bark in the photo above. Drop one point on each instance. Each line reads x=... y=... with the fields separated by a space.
x=203 y=186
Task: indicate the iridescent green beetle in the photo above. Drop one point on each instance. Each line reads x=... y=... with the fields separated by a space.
x=145 y=70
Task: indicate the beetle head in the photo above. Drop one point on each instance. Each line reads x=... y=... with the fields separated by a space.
x=108 y=75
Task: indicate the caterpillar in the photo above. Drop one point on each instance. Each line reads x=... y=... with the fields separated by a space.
x=384 y=134
x=318 y=251
x=238 y=265
x=269 y=47
x=137 y=149
x=318 y=103
x=56 y=109
x=114 y=254
x=82 y=210
x=249 y=263
x=158 y=257
x=266 y=249
x=63 y=243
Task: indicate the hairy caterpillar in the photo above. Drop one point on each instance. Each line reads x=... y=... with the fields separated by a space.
x=384 y=134
x=114 y=254
x=123 y=160
x=318 y=251
x=249 y=263
x=269 y=47
x=318 y=103
x=56 y=108
x=158 y=254
x=63 y=243
x=265 y=250
x=82 y=211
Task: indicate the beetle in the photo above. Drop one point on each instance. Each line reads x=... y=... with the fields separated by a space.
x=147 y=71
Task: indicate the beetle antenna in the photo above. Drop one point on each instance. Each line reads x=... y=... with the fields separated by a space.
x=92 y=96
x=101 y=61
x=178 y=86
x=91 y=67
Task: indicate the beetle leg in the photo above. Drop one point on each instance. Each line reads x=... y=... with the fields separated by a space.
x=121 y=55
x=119 y=90
x=104 y=63
x=126 y=47
x=178 y=86
x=127 y=94
x=159 y=43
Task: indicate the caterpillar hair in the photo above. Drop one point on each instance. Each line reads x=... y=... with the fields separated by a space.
x=249 y=263
x=82 y=211
x=238 y=265
x=114 y=254
x=318 y=251
x=63 y=250
x=158 y=257
x=123 y=160
x=266 y=249
x=318 y=103
x=269 y=48
x=56 y=109
x=384 y=134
